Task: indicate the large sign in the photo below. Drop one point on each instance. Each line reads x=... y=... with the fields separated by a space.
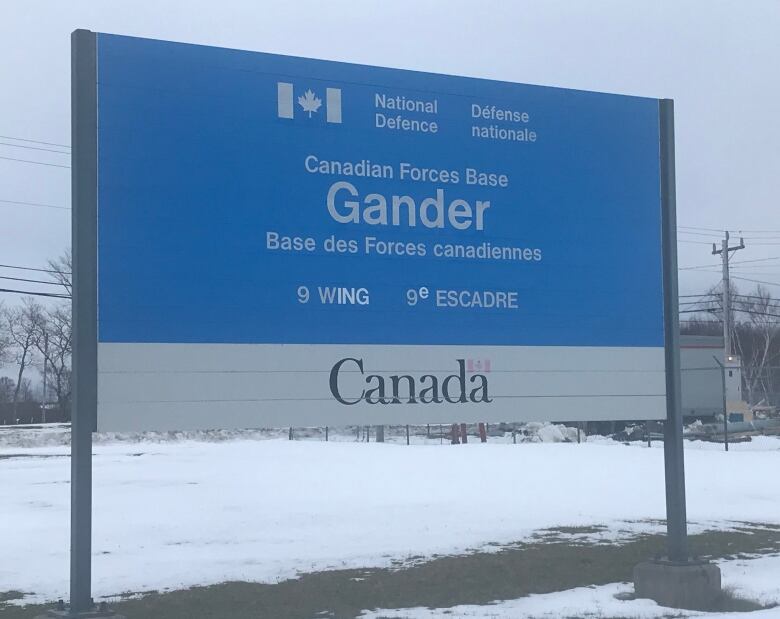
x=285 y=241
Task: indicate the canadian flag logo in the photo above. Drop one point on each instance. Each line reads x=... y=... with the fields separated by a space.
x=478 y=365
x=309 y=102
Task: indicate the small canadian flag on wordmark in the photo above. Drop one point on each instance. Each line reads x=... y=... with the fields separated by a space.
x=478 y=365
x=308 y=101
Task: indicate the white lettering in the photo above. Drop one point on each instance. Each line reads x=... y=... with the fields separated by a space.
x=431 y=211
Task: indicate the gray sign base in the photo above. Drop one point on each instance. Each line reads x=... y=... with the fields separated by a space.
x=692 y=585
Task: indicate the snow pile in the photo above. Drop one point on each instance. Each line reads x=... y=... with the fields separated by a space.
x=34 y=436
x=550 y=433
x=47 y=435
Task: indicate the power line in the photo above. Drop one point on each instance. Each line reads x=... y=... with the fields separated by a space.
x=49 y=150
x=692 y=228
x=32 y=281
x=756 y=260
x=10 y=137
x=709 y=300
x=709 y=310
x=767 y=302
x=758 y=231
x=762 y=306
x=699 y=266
x=36 y=294
x=53 y=165
x=758 y=313
x=38 y=204
x=754 y=296
x=710 y=234
x=712 y=269
x=756 y=281
x=11 y=266
x=687 y=307
x=759 y=273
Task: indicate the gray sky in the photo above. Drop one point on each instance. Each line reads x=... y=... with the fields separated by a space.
x=719 y=60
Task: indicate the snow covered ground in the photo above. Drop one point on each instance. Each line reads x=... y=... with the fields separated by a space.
x=172 y=512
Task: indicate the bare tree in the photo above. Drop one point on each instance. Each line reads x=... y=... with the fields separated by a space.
x=62 y=270
x=757 y=335
x=5 y=337
x=53 y=341
x=22 y=323
x=26 y=391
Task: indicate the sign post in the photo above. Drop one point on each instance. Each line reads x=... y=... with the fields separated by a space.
x=675 y=580
x=84 y=188
x=84 y=403
x=676 y=521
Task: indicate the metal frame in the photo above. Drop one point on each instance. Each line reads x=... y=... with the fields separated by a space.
x=676 y=519
x=84 y=244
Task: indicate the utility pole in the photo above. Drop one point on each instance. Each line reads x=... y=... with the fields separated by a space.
x=45 y=358
x=725 y=251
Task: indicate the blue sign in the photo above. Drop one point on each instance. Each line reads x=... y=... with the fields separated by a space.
x=250 y=198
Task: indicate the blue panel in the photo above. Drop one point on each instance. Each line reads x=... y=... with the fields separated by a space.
x=203 y=155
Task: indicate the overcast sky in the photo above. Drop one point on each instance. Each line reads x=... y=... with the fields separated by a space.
x=719 y=61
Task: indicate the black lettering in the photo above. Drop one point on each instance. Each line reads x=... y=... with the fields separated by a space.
x=379 y=390
x=461 y=378
x=433 y=390
x=396 y=382
x=334 y=380
x=482 y=389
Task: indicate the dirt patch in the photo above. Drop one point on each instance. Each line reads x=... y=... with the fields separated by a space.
x=479 y=578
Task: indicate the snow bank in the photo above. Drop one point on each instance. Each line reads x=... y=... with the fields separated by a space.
x=47 y=435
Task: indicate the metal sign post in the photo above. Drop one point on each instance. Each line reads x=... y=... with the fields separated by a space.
x=677 y=540
x=84 y=402
x=84 y=176
x=676 y=581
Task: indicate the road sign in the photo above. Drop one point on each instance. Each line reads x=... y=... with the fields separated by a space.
x=285 y=241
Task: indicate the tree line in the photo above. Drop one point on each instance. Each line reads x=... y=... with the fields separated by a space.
x=36 y=342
